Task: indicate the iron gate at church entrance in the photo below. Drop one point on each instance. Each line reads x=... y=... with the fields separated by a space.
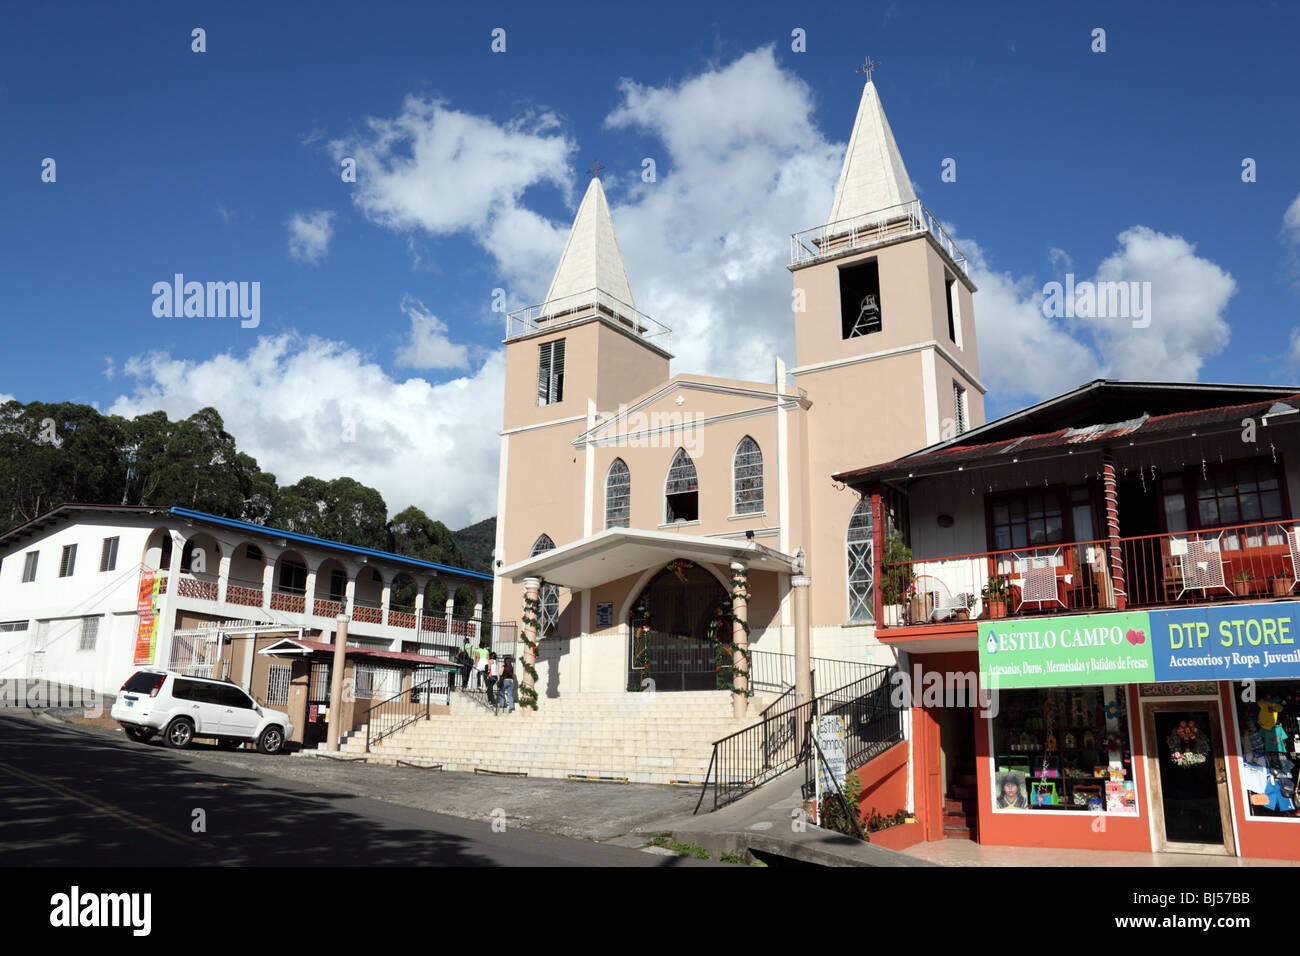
x=672 y=644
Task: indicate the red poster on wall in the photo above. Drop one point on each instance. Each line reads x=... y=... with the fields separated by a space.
x=146 y=607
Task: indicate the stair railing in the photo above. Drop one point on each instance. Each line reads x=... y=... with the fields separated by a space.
x=404 y=708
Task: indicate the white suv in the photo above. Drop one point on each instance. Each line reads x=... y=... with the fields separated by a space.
x=182 y=708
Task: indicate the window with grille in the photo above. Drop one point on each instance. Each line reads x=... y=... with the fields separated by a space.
x=364 y=682
x=68 y=563
x=108 y=556
x=1027 y=520
x=320 y=680
x=618 y=495
x=10 y=626
x=748 y=470
x=682 y=490
x=338 y=586
x=89 y=633
x=959 y=407
x=277 y=683
x=861 y=571
x=550 y=372
x=29 y=566
x=550 y=596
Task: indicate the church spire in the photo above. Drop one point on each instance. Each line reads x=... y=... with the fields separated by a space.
x=591 y=258
x=873 y=176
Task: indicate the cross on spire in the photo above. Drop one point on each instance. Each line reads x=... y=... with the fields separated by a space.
x=596 y=167
x=867 y=66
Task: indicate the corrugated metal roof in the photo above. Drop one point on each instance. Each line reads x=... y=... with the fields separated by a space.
x=956 y=457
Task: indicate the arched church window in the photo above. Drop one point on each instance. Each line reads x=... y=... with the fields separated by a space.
x=859 y=552
x=747 y=468
x=550 y=596
x=618 y=495
x=681 y=490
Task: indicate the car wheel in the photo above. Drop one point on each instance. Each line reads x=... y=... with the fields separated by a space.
x=180 y=733
x=231 y=744
x=271 y=741
x=139 y=734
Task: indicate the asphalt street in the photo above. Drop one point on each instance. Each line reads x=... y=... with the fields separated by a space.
x=69 y=798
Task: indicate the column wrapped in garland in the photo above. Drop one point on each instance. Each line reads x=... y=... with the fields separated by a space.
x=640 y=644
x=731 y=653
x=532 y=621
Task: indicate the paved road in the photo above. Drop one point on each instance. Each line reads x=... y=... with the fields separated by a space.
x=75 y=799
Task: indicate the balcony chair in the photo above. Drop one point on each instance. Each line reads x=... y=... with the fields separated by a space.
x=1201 y=565
x=1038 y=574
x=1293 y=543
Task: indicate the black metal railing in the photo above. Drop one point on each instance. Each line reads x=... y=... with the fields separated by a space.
x=401 y=710
x=772 y=671
x=781 y=741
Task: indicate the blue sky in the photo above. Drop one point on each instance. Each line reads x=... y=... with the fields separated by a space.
x=1123 y=164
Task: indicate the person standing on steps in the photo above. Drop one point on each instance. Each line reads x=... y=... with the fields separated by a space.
x=493 y=674
x=508 y=685
x=480 y=668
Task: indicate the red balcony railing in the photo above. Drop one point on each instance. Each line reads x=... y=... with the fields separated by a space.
x=324 y=607
x=243 y=594
x=1056 y=578
x=294 y=603
x=401 y=618
x=1229 y=563
x=366 y=612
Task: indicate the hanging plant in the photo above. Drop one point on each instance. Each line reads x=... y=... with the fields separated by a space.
x=532 y=620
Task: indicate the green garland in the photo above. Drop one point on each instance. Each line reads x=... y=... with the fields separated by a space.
x=531 y=619
x=640 y=642
x=724 y=621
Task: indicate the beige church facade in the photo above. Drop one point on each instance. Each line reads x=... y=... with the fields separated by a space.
x=635 y=501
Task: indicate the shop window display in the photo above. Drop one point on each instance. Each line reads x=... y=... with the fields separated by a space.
x=1269 y=721
x=1063 y=749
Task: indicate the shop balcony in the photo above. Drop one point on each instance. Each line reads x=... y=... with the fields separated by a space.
x=1242 y=562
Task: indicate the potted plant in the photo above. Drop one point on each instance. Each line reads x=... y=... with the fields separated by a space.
x=1241 y=583
x=897 y=577
x=1282 y=584
x=995 y=595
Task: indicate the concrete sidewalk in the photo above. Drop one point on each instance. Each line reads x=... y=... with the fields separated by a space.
x=765 y=821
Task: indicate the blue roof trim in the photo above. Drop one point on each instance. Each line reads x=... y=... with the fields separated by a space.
x=323 y=542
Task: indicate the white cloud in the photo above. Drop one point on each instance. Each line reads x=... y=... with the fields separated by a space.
x=442 y=171
x=1013 y=337
x=309 y=235
x=1188 y=297
x=290 y=400
x=427 y=345
x=1291 y=222
x=1060 y=259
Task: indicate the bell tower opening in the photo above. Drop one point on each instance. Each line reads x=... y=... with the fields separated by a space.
x=860 y=308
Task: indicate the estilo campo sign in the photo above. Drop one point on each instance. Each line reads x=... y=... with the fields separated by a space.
x=1066 y=651
x=1213 y=642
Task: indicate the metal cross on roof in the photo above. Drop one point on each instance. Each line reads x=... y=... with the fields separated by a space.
x=867 y=66
x=595 y=168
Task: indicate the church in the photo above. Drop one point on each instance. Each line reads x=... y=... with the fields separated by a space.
x=663 y=527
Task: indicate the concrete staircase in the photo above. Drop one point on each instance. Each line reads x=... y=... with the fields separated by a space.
x=645 y=738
